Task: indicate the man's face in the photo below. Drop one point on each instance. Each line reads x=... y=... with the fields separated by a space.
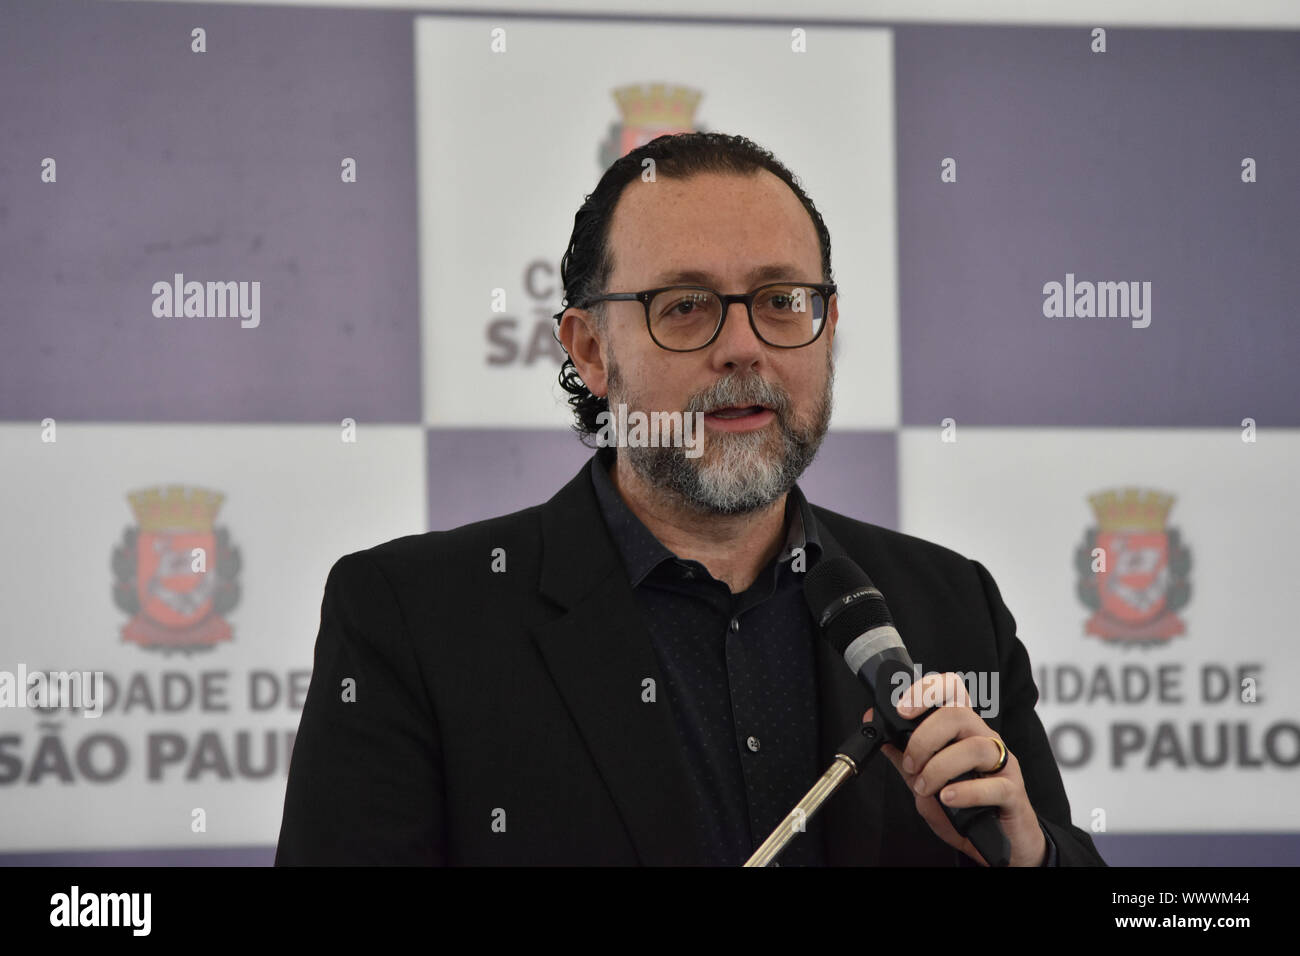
x=718 y=231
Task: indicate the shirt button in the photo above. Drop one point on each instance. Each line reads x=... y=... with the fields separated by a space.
x=753 y=744
x=735 y=626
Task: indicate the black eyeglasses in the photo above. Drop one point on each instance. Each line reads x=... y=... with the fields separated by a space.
x=684 y=318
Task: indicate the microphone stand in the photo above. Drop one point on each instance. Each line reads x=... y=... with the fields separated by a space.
x=849 y=758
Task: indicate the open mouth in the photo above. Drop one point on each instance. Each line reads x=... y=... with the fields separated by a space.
x=738 y=411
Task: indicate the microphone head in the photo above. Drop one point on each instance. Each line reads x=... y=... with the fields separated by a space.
x=830 y=581
x=844 y=602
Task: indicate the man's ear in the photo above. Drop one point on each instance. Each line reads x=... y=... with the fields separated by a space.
x=580 y=338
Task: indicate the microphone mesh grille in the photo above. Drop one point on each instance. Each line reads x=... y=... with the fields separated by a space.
x=827 y=585
x=830 y=581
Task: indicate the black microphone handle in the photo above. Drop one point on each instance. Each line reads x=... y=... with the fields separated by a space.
x=977 y=824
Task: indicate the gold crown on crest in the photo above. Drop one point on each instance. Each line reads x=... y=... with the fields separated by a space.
x=657 y=104
x=176 y=508
x=1131 y=510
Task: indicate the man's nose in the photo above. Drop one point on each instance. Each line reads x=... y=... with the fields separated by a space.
x=736 y=343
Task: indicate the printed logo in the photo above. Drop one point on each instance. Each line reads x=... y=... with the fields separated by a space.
x=1133 y=569
x=175 y=572
x=648 y=111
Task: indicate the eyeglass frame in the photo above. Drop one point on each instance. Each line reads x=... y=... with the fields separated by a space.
x=827 y=289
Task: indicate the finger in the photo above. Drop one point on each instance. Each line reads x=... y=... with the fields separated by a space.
x=937 y=691
x=896 y=758
x=932 y=690
x=910 y=694
x=978 y=753
x=996 y=791
x=937 y=731
x=953 y=720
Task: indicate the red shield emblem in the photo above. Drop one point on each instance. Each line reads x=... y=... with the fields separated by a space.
x=176 y=596
x=1133 y=569
x=1132 y=587
x=171 y=592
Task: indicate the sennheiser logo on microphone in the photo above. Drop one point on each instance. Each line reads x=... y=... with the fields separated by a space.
x=850 y=598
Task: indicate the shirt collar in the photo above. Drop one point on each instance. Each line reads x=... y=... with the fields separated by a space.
x=642 y=552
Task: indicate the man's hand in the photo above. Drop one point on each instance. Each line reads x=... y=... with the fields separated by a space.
x=931 y=761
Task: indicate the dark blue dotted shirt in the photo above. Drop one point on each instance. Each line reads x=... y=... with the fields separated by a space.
x=741 y=678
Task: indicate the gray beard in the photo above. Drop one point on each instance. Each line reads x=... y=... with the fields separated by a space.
x=739 y=472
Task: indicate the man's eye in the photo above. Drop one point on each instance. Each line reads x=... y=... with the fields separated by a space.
x=683 y=307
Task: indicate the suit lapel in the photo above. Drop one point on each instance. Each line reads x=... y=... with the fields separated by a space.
x=598 y=655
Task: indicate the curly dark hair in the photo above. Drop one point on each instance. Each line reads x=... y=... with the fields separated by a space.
x=587 y=264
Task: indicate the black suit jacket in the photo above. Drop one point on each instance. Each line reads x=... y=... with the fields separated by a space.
x=498 y=716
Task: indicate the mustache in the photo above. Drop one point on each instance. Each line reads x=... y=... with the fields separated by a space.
x=741 y=392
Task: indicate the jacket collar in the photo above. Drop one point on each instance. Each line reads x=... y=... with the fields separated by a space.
x=599 y=654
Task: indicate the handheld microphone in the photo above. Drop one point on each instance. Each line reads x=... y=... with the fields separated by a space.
x=851 y=613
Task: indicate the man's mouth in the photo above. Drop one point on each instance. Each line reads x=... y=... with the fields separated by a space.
x=738 y=411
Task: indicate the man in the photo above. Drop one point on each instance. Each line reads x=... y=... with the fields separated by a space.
x=629 y=673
